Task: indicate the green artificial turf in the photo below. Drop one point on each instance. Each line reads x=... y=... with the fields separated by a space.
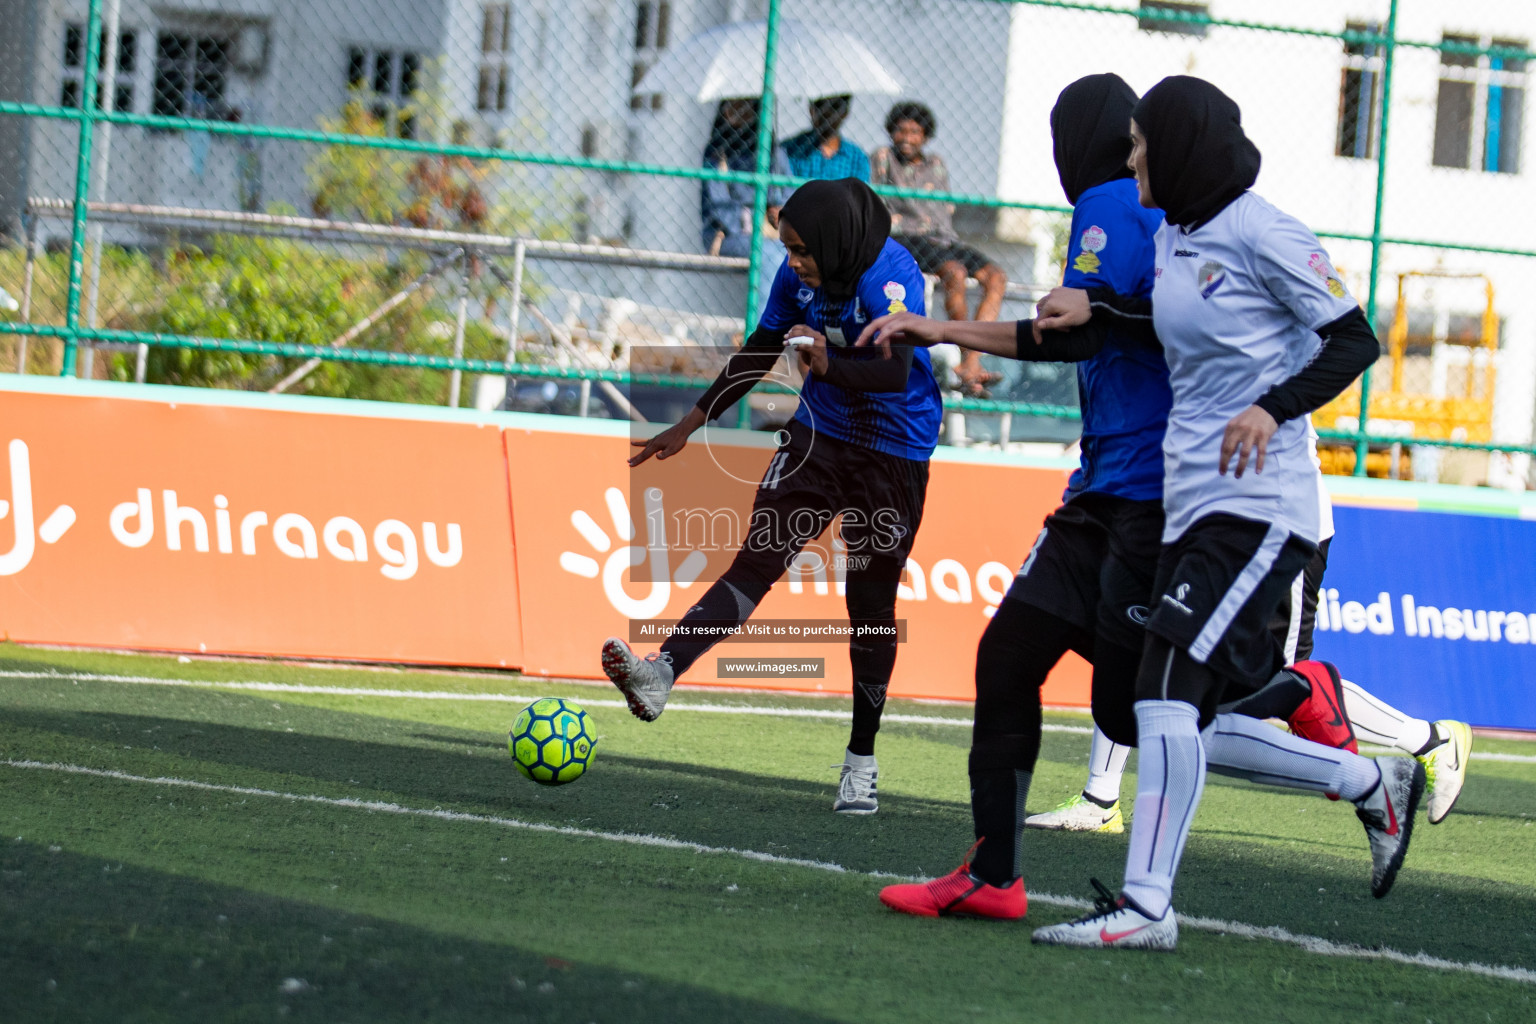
x=126 y=900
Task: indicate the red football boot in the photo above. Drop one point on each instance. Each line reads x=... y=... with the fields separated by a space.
x=959 y=894
x=1321 y=717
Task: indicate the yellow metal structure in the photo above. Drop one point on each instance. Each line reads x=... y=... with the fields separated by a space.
x=1464 y=416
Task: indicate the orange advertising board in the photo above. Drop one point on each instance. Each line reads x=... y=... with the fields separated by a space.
x=175 y=525
x=600 y=546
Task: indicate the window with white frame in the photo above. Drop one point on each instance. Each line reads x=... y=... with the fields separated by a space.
x=495 y=57
x=1480 y=103
x=72 y=80
x=653 y=27
x=385 y=82
x=1359 y=92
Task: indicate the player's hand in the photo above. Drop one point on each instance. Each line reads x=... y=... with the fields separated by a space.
x=1060 y=309
x=902 y=329
x=813 y=357
x=1248 y=433
x=670 y=441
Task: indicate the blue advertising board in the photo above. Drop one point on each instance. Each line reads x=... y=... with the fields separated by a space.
x=1435 y=612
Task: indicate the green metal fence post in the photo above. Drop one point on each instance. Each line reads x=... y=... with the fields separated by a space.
x=765 y=126
x=82 y=187
x=1362 y=448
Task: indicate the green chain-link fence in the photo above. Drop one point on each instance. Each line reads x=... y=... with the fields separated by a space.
x=573 y=203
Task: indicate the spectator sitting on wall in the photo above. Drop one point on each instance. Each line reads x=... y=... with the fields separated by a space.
x=726 y=213
x=821 y=151
x=927 y=228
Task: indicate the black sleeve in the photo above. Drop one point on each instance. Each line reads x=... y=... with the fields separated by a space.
x=1349 y=349
x=1070 y=346
x=873 y=375
x=746 y=367
x=1126 y=312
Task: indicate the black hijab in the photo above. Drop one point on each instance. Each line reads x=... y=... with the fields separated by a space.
x=844 y=225
x=1198 y=159
x=1091 y=133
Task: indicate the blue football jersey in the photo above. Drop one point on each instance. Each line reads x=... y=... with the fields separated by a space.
x=1123 y=391
x=902 y=423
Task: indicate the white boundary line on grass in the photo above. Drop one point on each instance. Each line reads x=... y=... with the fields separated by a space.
x=502 y=698
x=1307 y=943
x=505 y=698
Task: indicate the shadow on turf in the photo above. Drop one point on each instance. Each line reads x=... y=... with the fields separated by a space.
x=1260 y=882
x=92 y=940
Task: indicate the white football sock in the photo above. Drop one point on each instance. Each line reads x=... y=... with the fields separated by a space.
x=1106 y=766
x=1378 y=722
x=1169 y=782
x=1254 y=750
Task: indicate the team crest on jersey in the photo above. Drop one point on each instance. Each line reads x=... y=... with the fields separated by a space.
x=804 y=296
x=1212 y=274
x=894 y=291
x=1323 y=268
x=858 y=311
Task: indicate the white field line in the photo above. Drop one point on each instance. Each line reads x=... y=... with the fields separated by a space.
x=1307 y=943
x=507 y=698
x=502 y=698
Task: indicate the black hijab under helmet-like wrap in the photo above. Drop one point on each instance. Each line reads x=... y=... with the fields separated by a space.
x=844 y=225
x=1091 y=133
x=1198 y=159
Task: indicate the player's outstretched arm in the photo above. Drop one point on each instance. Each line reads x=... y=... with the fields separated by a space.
x=670 y=441
x=996 y=337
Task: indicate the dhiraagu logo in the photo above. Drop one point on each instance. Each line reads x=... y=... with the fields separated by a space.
x=18 y=509
x=630 y=555
x=615 y=549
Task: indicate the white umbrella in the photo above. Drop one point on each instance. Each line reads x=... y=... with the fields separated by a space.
x=727 y=63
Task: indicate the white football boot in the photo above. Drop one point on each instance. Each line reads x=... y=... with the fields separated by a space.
x=1079 y=814
x=856 y=786
x=1115 y=921
x=1387 y=814
x=644 y=682
x=1445 y=769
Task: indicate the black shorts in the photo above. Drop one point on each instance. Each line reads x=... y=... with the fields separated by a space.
x=931 y=253
x=1093 y=564
x=1217 y=588
x=813 y=479
x=1294 y=620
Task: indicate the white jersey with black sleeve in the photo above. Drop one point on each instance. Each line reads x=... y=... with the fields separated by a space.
x=1237 y=303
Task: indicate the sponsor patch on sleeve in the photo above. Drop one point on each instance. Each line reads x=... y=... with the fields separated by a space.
x=1323 y=268
x=896 y=306
x=1093 y=239
x=1086 y=262
x=894 y=291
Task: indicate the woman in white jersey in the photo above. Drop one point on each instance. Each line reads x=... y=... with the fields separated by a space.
x=1258 y=330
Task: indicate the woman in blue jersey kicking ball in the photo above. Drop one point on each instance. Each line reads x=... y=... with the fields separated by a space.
x=858 y=448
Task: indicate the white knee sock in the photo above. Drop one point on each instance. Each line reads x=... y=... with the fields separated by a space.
x=1106 y=766
x=1170 y=779
x=1378 y=722
x=1254 y=750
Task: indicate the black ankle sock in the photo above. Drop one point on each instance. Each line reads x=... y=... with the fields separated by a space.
x=1106 y=804
x=1435 y=739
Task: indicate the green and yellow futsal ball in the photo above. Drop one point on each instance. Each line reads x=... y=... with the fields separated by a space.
x=552 y=741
